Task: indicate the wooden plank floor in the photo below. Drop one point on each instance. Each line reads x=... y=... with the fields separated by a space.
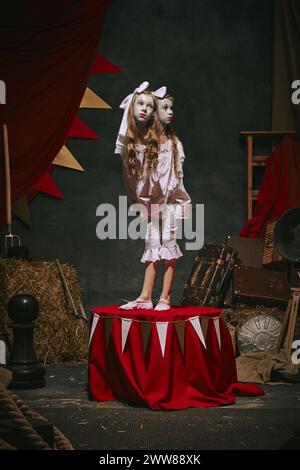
x=266 y=422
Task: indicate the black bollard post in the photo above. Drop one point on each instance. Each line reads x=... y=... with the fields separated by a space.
x=27 y=373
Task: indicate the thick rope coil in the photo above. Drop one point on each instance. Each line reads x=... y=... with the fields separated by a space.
x=61 y=442
x=12 y=411
x=6 y=446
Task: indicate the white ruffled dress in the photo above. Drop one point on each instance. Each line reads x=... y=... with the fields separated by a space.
x=163 y=187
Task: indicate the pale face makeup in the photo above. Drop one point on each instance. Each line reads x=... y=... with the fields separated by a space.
x=165 y=110
x=143 y=107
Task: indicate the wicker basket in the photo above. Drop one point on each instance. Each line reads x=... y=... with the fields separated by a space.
x=271 y=258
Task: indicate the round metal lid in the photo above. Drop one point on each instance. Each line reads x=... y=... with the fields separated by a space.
x=258 y=334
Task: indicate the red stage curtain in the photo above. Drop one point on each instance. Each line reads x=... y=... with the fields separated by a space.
x=286 y=64
x=280 y=188
x=46 y=55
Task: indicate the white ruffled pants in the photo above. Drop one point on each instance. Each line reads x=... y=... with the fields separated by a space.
x=167 y=247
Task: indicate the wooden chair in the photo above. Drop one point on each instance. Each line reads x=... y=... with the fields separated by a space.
x=258 y=160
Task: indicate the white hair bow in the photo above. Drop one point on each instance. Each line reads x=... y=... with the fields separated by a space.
x=124 y=123
x=160 y=92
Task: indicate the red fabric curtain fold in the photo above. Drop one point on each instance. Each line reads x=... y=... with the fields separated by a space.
x=46 y=56
x=280 y=188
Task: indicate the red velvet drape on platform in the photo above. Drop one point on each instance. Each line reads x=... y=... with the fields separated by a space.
x=202 y=376
x=46 y=54
x=280 y=188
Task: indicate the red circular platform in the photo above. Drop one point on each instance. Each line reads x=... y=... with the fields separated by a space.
x=188 y=362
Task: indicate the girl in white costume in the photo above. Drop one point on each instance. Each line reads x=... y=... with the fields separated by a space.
x=152 y=159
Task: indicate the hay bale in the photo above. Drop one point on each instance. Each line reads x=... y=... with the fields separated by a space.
x=241 y=313
x=60 y=336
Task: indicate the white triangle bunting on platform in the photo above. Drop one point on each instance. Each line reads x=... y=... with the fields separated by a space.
x=126 y=323
x=197 y=327
x=217 y=327
x=93 y=327
x=162 y=328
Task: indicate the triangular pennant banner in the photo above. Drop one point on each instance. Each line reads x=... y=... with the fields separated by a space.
x=146 y=330
x=46 y=185
x=126 y=323
x=93 y=327
x=102 y=65
x=162 y=328
x=20 y=209
x=66 y=159
x=180 y=330
x=217 y=327
x=80 y=130
x=204 y=325
x=91 y=100
x=197 y=327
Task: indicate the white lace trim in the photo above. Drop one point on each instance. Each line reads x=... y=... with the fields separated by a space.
x=151 y=254
x=170 y=252
x=140 y=147
x=162 y=252
x=165 y=147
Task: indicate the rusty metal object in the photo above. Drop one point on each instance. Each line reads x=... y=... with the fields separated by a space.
x=258 y=334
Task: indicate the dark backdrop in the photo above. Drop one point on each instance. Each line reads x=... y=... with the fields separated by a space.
x=216 y=59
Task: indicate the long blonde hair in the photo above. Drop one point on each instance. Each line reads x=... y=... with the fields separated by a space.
x=167 y=130
x=134 y=170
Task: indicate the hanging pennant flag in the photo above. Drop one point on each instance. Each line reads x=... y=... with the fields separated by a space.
x=126 y=323
x=102 y=65
x=20 y=209
x=93 y=327
x=197 y=327
x=91 y=100
x=146 y=330
x=47 y=185
x=162 y=328
x=217 y=327
x=107 y=325
x=180 y=330
x=204 y=325
x=66 y=159
x=80 y=130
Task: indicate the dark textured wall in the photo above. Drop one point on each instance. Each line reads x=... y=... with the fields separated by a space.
x=216 y=58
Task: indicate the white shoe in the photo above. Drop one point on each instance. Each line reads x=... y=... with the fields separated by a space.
x=163 y=305
x=137 y=303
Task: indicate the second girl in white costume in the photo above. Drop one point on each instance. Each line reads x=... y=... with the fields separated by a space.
x=153 y=168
